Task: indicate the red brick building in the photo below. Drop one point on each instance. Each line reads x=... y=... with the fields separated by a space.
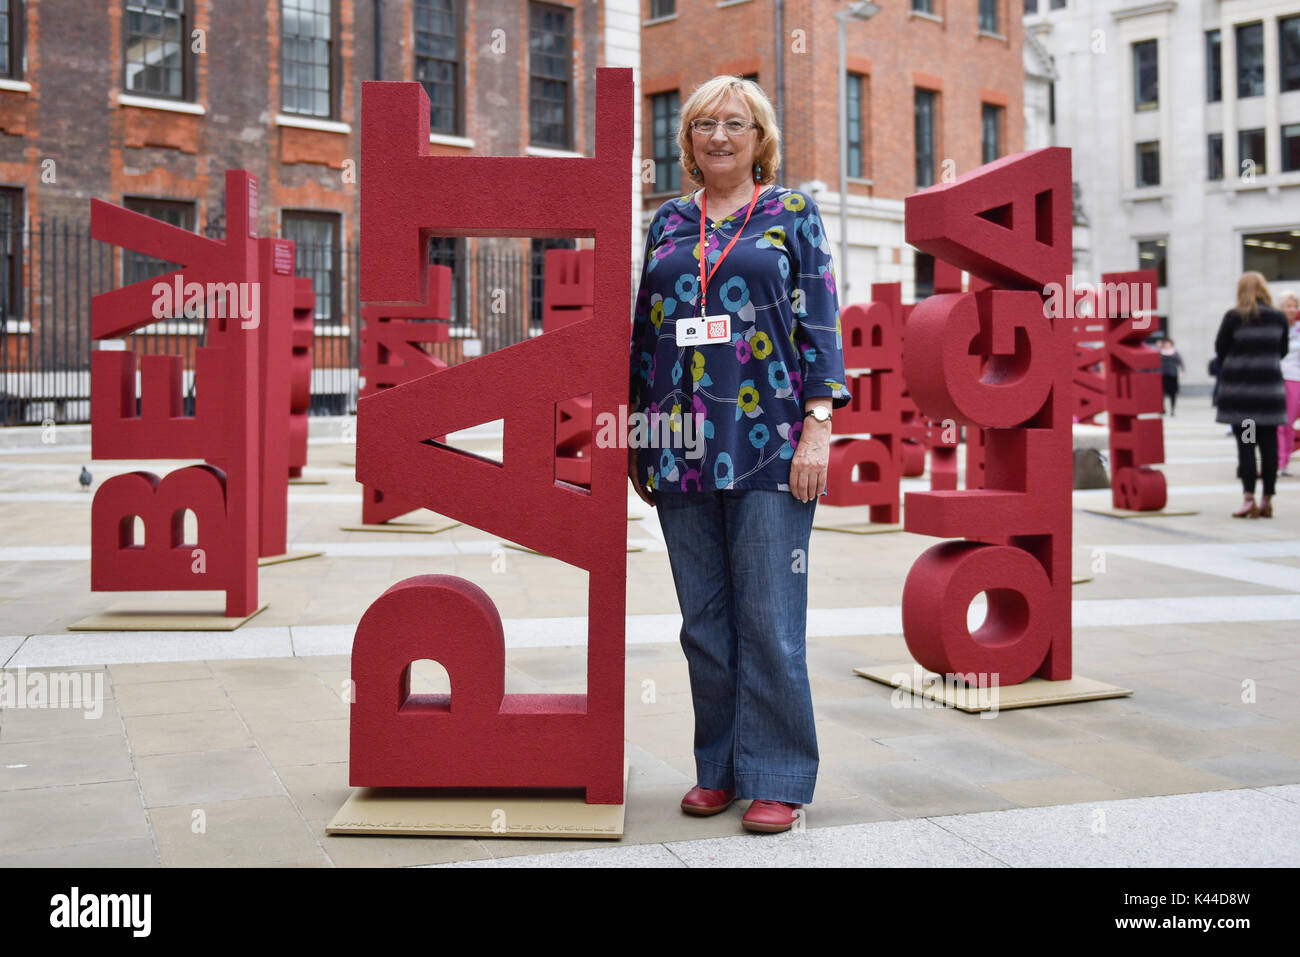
x=147 y=103
x=935 y=89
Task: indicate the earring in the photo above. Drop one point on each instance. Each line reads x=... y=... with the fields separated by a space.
x=695 y=171
x=758 y=171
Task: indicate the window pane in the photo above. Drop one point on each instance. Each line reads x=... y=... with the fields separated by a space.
x=665 y=108
x=1291 y=148
x=991 y=132
x=924 y=137
x=1214 y=168
x=437 y=62
x=1213 y=67
x=1288 y=41
x=137 y=266
x=855 y=124
x=316 y=254
x=1276 y=255
x=305 y=57
x=153 y=52
x=1250 y=151
x=550 y=41
x=1148 y=164
x=989 y=15
x=1250 y=60
x=1151 y=255
x=1146 y=94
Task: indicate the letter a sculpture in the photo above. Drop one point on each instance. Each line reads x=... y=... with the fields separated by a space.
x=993 y=359
x=478 y=736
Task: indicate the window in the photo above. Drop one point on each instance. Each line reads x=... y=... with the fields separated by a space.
x=1151 y=255
x=437 y=63
x=1058 y=4
x=1250 y=151
x=662 y=8
x=1146 y=85
x=923 y=274
x=1276 y=255
x=856 y=84
x=448 y=251
x=537 y=276
x=11 y=270
x=1031 y=6
x=1250 y=60
x=990 y=131
x=1213 y=67
x=1288 y=53
x=550 y=39
x=1148 y=164
x=316 y=254
x=157 y=41
x=306 y=57
x=1291 y=148
x=664 y=108
x=1214 y=168
x=137 y=266
x=11 y=33
x=923 y=6
x=989 y=16
x=924 y=133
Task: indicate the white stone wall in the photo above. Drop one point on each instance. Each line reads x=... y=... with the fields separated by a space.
x=1202 y=220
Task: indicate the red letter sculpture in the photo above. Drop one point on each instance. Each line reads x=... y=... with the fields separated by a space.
x=224 y=429
x=479 y=736
x=392 y=341
x=566 y=298
x=1133 y=388
x=994 y=359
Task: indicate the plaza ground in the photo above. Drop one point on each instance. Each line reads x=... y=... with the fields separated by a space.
x=1199 y=615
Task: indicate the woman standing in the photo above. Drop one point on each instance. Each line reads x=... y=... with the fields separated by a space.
x=1291 y=378
x=750 y=259
x=1252 y=399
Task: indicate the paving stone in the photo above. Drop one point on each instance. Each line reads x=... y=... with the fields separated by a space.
x=57 y=761
x=36 y=818
x=1218 y=829
x=202 y=778
x=254 y=832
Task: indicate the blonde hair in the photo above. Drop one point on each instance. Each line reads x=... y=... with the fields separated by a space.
x=1252 y=287
x=708 y=96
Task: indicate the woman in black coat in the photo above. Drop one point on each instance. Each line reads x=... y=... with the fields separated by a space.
x=1250 y=345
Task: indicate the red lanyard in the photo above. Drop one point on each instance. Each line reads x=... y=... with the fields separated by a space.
x=705 y=273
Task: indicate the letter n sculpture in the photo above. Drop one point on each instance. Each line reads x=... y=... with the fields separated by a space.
x=478 y=736
x=993 y=359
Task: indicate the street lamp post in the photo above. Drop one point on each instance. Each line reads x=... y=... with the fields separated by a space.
x=860 y=10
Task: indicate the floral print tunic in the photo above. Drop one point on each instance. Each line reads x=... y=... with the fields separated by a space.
x=778 y=285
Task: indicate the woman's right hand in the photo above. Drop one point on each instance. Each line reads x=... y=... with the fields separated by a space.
x=642 y=492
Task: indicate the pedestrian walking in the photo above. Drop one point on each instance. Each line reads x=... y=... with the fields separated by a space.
x=1252 y=339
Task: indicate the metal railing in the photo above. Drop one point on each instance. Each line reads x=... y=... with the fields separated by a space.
x=51 y=270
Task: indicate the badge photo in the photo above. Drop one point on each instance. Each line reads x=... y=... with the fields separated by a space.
x=704 y=330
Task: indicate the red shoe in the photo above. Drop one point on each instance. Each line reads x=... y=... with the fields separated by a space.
x=770 y=817
x=703 y=801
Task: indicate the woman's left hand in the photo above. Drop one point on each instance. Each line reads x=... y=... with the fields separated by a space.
x=811 y=459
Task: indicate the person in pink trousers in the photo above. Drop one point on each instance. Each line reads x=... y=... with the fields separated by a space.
x=1286 y=437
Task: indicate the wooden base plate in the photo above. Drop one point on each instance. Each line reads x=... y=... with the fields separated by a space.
x=415 y=528
x=286 y=557
x=533 y=551
x=1129 y=513
x=1028 y=694
x=862 y=528
x=308 y=481
x=160 y=619
x=516 y=812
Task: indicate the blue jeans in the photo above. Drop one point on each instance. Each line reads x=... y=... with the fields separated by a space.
x=739 y=561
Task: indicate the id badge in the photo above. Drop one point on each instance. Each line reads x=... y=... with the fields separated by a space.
x=704 y=330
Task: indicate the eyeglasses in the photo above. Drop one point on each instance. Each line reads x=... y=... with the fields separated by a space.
x=706 y=126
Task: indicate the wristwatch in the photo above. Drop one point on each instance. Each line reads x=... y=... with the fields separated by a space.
x=819 y=412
